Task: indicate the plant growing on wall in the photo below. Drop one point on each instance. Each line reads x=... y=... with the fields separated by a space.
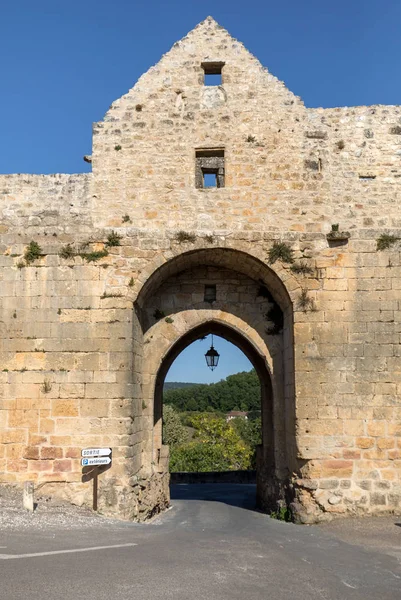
x=301 y=268
x=385 y=241
x=280 y=251
x=94 y=256
x=305 y=302
x=184 y=236
x=67 y=252
x=113 y=239
x=32 y=252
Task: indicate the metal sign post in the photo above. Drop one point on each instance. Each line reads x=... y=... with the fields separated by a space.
x=95 y=457
x=95 y=491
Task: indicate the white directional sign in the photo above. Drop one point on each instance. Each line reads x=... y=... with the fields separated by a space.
x=96 y=452
x=87 y=462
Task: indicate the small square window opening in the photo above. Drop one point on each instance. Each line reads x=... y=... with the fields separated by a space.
x=212 y=73
x=210 y=293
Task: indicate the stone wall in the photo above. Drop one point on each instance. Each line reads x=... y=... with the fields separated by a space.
x=75 y=344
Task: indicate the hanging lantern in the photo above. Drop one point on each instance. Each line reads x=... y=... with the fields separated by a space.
x=212 y=357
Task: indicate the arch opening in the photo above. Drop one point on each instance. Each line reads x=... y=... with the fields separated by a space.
x=172 y=310
x=265 y=451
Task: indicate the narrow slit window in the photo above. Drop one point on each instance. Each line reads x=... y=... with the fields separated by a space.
x=209 y=168
x=212 y=73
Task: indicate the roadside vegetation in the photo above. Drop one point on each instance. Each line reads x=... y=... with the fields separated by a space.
x=197 y=429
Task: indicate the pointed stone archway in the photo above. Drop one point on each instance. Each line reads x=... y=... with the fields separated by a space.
x=266 y=451
x=253 y=310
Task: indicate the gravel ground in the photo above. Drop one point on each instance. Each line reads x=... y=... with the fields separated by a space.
x=49 y=513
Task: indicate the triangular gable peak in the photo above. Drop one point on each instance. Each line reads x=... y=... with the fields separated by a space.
x=158 y=142
x=184 y=66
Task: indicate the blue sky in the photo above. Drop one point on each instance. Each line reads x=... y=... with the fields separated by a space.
x=63 y=63
x=190 y=365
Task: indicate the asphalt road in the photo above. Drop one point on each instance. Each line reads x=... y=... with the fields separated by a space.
x=211 y=545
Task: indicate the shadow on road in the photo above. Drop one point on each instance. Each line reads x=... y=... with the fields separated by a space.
x=234 y=494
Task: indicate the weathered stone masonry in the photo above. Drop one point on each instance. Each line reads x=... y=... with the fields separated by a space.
x=82 y=354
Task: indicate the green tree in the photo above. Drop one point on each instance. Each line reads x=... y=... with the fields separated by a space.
x=250 y=431
x=217 y=446
x=174 y=432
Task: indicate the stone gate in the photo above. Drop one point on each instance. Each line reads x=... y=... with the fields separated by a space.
x=289 y=213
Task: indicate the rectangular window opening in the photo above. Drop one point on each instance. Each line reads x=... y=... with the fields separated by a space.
x=209 y=168
x=212 y=73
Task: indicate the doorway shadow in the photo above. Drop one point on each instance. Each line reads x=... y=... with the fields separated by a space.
x=241 y=495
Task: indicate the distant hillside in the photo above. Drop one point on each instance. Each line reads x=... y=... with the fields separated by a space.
x=175 y=385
